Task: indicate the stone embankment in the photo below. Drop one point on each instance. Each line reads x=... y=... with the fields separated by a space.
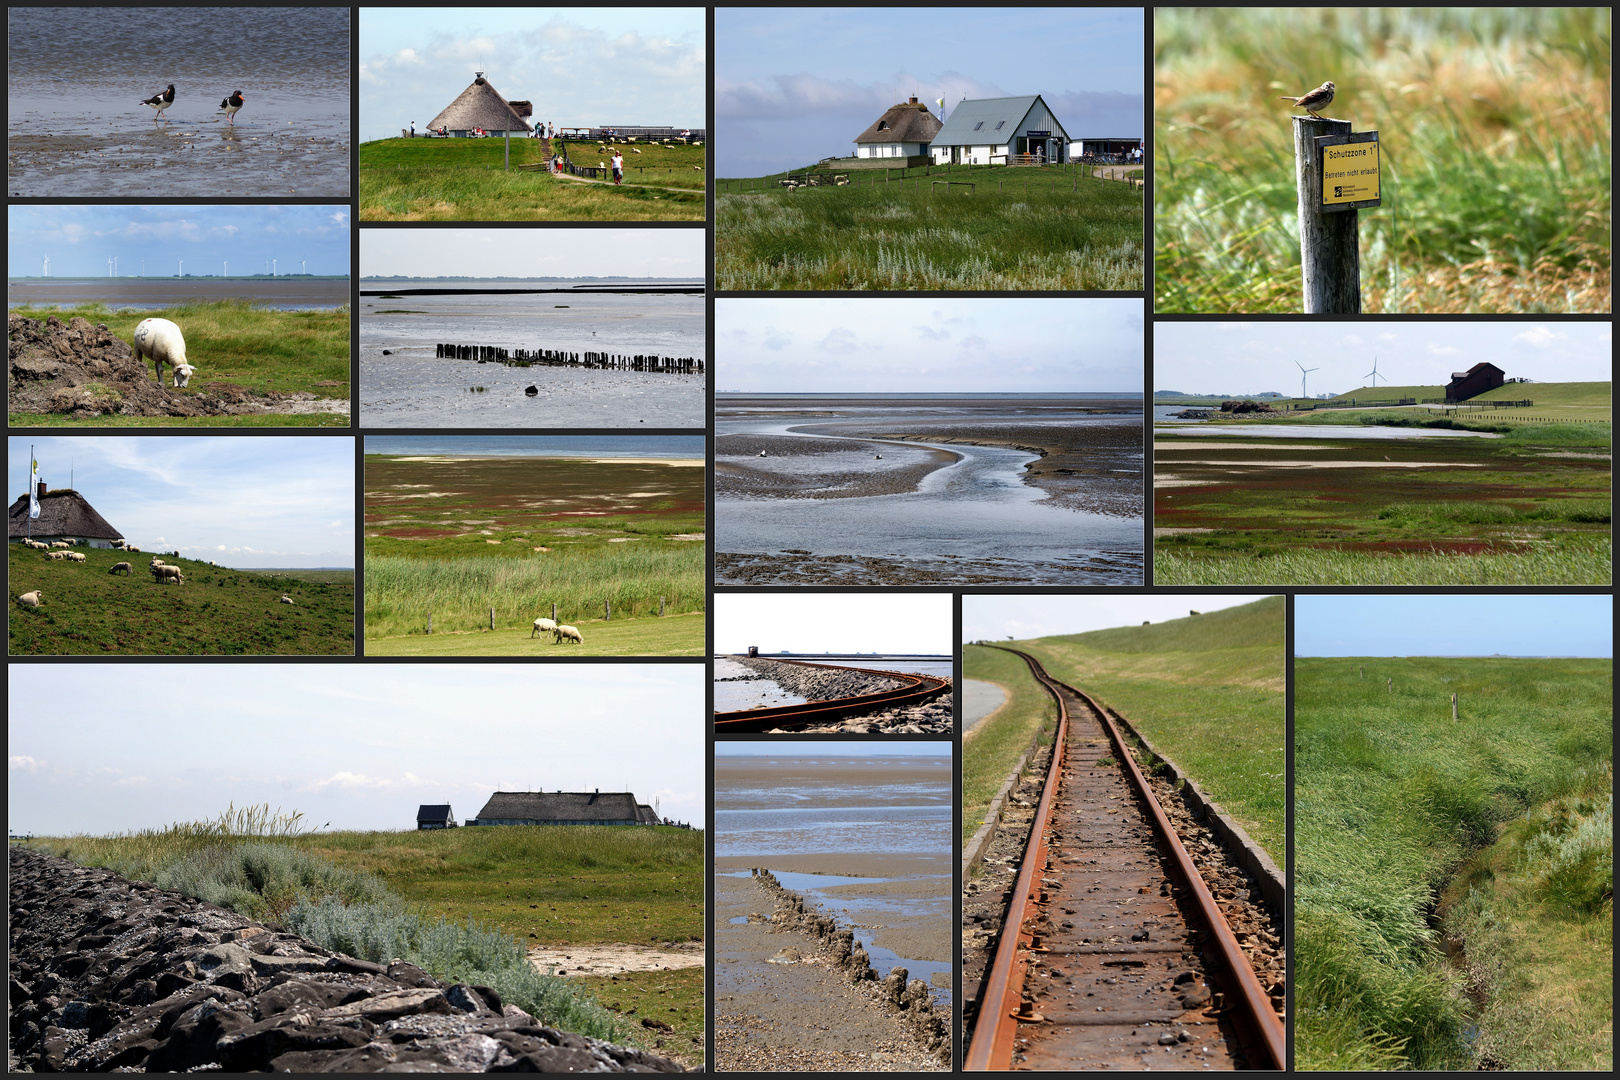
x=909 y=1001
x=823 y=684
x=110 y=974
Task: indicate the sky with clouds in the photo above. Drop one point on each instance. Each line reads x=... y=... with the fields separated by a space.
x=139 y=746
x=1257 y=357
x=904 y=344
x=81 y=239
x=793 y=85
x=1455 y=625
x=621 y=66
x=539 y=253
x=996 y=618
x=889 y=623
x=242 y=501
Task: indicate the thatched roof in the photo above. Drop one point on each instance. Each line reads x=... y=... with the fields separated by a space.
x=61 y=513
x=479 y=106
x=907 y=122
x=541 y=807
x=435 y=812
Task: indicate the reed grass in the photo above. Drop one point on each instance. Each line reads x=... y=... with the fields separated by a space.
x=1572 y=563
x=1495 y=126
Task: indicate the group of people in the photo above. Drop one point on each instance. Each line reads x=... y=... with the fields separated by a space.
x=547 y=130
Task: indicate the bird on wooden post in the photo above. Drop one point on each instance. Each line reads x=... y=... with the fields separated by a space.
x=1313 y=102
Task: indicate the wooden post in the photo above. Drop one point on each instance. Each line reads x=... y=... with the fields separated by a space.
x=1330 y=261
x=1390 y=689
x=607 y=610
x=660 y=607
x=554 y=611
x=492 y=618
x=1363 y=670
x=1453 y=708
x=430 y=622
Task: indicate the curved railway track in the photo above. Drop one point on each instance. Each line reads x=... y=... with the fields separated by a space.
x=1113 y=953
x=914 y=690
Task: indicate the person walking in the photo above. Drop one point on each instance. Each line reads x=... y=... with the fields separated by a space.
x=413 y=129
x=618 y=166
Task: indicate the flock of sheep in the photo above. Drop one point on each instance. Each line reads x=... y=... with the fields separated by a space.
x=564 y=632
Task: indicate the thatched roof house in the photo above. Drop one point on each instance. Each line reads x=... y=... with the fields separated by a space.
x=904 y=131
x=564 y=808
x=63 y=515
x=435 y=816
x=481 y=107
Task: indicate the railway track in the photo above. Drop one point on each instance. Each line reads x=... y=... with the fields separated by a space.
x=914 y=690
x=1113 y=953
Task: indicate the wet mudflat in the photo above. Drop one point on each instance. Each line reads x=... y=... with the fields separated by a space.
x=412 y=387
x=285 y=293
x=77 y=76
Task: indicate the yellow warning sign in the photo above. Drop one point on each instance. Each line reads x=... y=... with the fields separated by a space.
x=1350 y=173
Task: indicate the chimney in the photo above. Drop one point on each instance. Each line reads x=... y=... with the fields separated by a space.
x=42 y=489
x=914 y=99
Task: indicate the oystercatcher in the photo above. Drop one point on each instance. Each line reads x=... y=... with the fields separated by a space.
x=230 y=105
x=161 y=101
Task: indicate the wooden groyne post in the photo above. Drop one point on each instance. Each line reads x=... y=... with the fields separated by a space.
x=1330 y=260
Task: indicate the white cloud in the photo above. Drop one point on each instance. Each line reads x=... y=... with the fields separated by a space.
x=1444 y=350
x=840 y=340
x=25 y=763
x=1540 y=337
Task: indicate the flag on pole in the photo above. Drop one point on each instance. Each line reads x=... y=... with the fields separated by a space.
x=33 y=490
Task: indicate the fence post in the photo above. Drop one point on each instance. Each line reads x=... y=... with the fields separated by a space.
x=607 y=610
x=1453 y=708
x=430 y=622
x=1390 y=689
x=1363 y=670
x=554 y=611
x=660 y=607
x=492 y=618
x=1330 y=261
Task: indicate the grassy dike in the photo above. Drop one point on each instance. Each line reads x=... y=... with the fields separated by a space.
x=991 y=750
x=463 y=903
x=233 y=341
x=1208 y=691
x=467 y=180
x=1487 y=839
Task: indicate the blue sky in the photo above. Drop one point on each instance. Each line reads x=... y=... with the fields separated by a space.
x=578 y=66
x=358 y=746
x=242 y=501
x=1453 y=625
x=1257 y=357
x=793 y=85
x=995 y=618
x=910 y=623
x=901 y=344
x=81 y=239
x=538 y=253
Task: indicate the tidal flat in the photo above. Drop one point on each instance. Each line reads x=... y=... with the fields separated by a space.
x=938 y=489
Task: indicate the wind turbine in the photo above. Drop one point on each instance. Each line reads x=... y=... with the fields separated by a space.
x=272 y=268
x=182 y=268
x=1374 y=373
x=47 y=266
x=1304 y=371
x=109 y=268
x=115 y=266
x=303 y=267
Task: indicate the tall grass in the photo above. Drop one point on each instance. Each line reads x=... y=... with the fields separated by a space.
x=400 y=592
x=1570 y=563
x=1495 y=125
x=902 y=237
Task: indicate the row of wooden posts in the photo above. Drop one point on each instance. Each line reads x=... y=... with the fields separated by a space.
x=1389 y=688
x=607 y=613
x=491 y=354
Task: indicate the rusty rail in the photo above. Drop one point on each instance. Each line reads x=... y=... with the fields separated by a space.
x=915 y=690
x=996 y=1025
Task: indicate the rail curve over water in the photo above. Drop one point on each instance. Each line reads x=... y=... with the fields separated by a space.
x=1113 y=952
x=914 y=690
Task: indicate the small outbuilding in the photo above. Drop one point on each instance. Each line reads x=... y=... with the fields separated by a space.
x=64 y=514
x=564 y=808
x=480 y=107
x=900 y=137
x=1474 y=382
x=435 y=816
x=1000 y=131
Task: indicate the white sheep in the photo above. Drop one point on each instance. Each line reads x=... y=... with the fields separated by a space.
x=543 y=626
x=56 y=555
x=30 y=599
x=286 y=600
x=124 y=566
x=76 y=556
x=136 y=550
x=37 y=546
x=165 y=574
x=60 y=544
x=161 y=340
x=571 y=633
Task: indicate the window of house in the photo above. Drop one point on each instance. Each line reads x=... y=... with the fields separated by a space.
x=883 y=125
x=979 y=125
x=999 y=124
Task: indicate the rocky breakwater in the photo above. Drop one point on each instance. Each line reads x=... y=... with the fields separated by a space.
x=825 y=684
x=83 y=370
x=111 y=974
x=909 y=1000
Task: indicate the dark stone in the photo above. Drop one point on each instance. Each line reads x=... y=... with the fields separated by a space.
x=253 y=1048
x=409 y=974
x=532 y=391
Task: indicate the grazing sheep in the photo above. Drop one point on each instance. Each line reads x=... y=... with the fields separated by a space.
x=286 y=600
x=124 y=566
x=59 y=544
x=571 y=633
x=56 y=555
x=161 y=340
x=165 y=574
x=1190 y=612
x=76 y=556
x=543 y=626
x=30 y=599
x=155 y=561
x=37 y=546
x=136 y=550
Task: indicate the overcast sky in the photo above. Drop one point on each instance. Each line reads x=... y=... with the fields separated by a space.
x=995 y=618
x=581 y=67
x=141 y=746
x=81 y=239
x=900 y=344
x=240 y=500
x=793 y=85
x=533 y=253
x=833 y=622
x=1256 y=357
x=1453 y=625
